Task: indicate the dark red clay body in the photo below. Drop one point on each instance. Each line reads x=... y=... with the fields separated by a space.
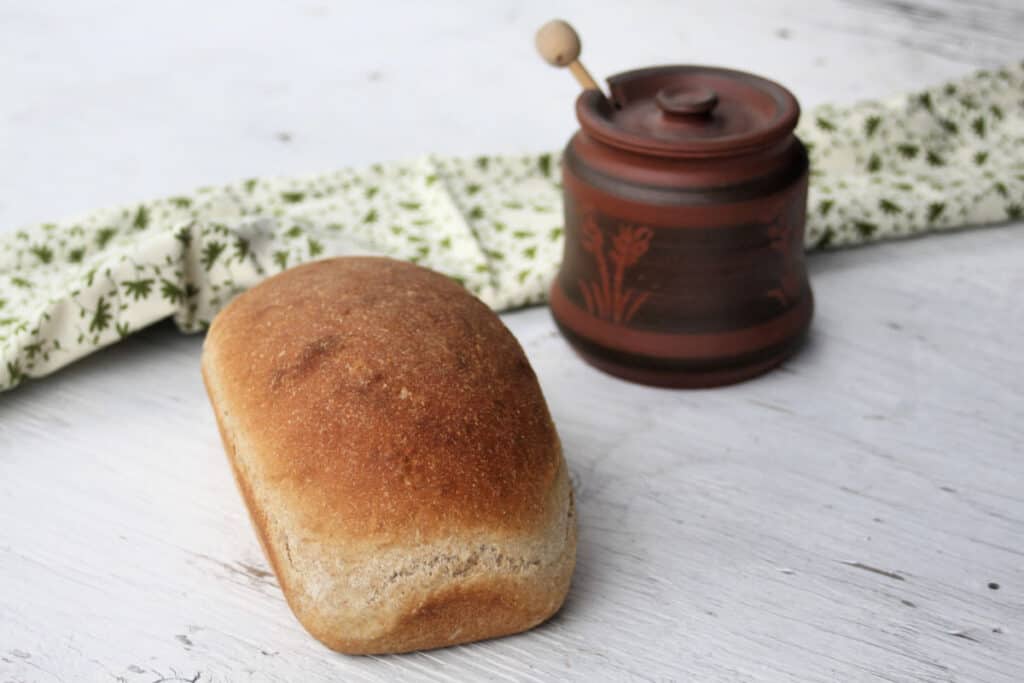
x=685 y=202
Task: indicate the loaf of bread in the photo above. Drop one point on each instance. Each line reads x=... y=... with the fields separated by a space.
x=395 y=454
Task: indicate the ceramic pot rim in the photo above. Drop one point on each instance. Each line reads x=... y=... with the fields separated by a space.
x=592 y=111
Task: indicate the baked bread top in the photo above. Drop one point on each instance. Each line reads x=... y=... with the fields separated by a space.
x=403 y=405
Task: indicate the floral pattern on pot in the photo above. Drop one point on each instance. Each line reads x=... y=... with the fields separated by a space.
x=784 y=240
x=605 y=297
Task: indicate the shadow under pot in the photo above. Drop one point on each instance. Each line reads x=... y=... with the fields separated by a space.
x=685 y=201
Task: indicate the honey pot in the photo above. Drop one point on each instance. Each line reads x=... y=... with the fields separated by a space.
x=685 y=194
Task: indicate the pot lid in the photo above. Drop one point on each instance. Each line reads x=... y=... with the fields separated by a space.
x=689 y=111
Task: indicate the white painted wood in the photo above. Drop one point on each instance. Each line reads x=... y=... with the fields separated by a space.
x=840 y=519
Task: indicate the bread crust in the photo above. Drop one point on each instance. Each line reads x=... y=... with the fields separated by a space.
x=395 y=454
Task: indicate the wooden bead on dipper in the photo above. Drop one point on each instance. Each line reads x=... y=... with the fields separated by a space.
x=559 y=45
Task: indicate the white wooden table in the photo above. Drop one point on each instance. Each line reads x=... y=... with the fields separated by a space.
x=857 y=515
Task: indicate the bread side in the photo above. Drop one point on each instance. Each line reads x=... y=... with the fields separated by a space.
x=415 y=571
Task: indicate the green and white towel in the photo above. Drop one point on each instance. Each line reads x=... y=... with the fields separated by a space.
x=947 y=157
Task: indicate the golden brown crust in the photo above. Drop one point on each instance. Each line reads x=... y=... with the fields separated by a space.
x=395 y=453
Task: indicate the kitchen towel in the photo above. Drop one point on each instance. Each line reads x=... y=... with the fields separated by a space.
x=946 y=157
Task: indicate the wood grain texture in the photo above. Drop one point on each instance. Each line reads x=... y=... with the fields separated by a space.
x=841 y=519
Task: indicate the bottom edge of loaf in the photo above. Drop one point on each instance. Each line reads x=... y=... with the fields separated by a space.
x=456 y=615
x=475 y=592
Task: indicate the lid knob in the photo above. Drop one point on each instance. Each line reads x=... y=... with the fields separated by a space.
x=680 y=101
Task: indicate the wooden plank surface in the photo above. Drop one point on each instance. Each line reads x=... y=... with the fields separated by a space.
x=857 y=515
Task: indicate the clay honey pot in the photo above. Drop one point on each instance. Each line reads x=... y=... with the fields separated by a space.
x=685 y=195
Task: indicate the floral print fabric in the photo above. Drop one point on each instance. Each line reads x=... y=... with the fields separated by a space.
x=946 y=157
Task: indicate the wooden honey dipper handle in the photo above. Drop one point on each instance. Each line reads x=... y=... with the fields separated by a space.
x=559 y=45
